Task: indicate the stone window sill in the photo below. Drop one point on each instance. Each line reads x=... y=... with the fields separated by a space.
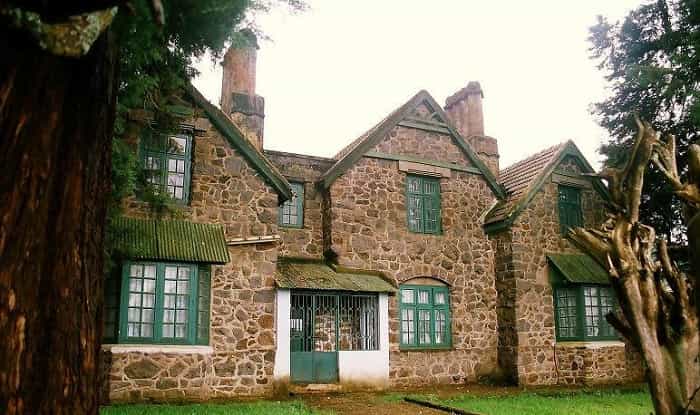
x=590 y=344
x=156 y=348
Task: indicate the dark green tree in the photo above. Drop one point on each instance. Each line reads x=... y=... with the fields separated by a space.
x=60 y=98
x=652 y=63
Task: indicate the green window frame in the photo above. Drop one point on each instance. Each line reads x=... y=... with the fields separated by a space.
x=580 y=310
x=423 y=211
x=159 y=303
x=570 y=214
x=167 y=163
x=291 y=212
x=424 y=317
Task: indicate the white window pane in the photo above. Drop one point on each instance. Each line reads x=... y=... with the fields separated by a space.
x=134 y=300
x=181 y=316
x=180 y=331
x=423 y=297
x=168 y=331
x=148 y=300
x=136 y=271
x=181 y=166
x=147 y=316
x=439 y=298
x=132 y=330
x=135 y=284
x=181 y=301
x=149 y=271
x=149 y=286
x=146 y=330
x=172 y=164
x=134 y=314
x=169 y=301
x=183 y=287
x=171 y=273
x=177 y=145
x=183 y=273
x=168 y=316
x=170 y=287
x=178 y=194
x=407 y=296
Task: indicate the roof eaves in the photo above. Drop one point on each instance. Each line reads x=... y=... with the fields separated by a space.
x=234 y=136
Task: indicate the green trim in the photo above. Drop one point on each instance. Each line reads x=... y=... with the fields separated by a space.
x=398 y=157
x=432 y=308
x=569 y=206
x=383 y=128
x=428 y=199
x=159 y=152
x=569 y=149
x=298 y=199
x=578 y=292
x=158 y=308
x=420 y=125
x=234 y=136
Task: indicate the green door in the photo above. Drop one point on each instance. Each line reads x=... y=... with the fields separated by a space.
x=314 y=338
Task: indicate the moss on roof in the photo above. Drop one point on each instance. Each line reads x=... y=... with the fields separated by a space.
x=170 y=240
x=317 y=275
x=578 y=269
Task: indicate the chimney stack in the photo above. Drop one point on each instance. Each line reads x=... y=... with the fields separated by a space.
x=465 y=111
x=238 y=98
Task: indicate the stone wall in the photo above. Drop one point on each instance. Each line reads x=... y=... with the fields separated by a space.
x=227 y=191
x=536 y=233
x=369 y=231
x=306 y=242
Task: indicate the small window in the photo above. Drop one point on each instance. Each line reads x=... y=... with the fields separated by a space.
x=580 y=312
x=167 y=163
x=291 y=213
x=423 y=204
x=425 y=317
x=570 y=215
x=160 y=303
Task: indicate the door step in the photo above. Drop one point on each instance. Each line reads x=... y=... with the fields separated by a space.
x=315 y=388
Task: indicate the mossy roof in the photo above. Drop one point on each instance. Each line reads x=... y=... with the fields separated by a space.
x=170 y=240
x=578 y=269
x=317 y=275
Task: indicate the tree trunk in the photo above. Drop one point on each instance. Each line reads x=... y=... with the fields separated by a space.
x=56 y=121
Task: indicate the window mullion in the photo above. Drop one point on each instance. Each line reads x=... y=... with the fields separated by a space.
x=124 y=303
x=158 y=307
x=192 y=312
x=580 y=313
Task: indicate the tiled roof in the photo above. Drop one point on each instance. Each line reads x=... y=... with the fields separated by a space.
x=170 y=240
x=317 y=275
x=518 y=179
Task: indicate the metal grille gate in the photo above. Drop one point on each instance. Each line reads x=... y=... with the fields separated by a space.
x=323 y=323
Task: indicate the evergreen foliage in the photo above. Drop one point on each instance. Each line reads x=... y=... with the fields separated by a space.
x=652 y=64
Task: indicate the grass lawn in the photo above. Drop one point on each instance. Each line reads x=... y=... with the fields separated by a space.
x=599 y=402
x=254 y=408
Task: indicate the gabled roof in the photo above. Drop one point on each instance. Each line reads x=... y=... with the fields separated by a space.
x=348 y=156
x=236 y=139
x=170 y=240
x=523 y=179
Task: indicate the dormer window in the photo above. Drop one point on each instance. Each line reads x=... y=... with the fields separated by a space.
x=167 y=163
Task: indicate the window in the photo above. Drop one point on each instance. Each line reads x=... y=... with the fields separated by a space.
x=423 y=204
x=292 y=211
x=580 y=312
x=167 y=163
x=159 y=303
x=570 y=215
x=425 y=317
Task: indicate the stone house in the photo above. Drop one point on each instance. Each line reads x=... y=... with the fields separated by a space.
x=408 y=259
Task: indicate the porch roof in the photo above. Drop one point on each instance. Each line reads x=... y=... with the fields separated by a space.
x=579 y=268
x=170 y=240
x=318 y=275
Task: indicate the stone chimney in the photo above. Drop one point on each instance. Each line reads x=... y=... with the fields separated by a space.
x=238 y=98
x=466 y=113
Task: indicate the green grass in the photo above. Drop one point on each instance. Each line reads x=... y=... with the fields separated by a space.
x=254 y=408
x=618 y=402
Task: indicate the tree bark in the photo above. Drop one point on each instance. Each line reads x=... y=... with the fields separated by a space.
x=56 y=122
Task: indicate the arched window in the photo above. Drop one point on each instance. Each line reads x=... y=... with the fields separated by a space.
x=424 y=310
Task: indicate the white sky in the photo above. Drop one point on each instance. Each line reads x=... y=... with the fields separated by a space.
x=332 y=72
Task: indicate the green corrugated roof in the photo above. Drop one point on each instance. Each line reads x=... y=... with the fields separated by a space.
x=171 y=240
x=316 y=275
x=579 y=269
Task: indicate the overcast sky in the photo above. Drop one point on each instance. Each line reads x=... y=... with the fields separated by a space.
x=332 y=72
